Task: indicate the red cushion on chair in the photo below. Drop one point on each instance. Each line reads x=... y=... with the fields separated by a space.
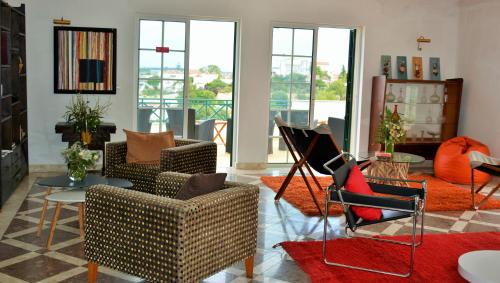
x=356 y=183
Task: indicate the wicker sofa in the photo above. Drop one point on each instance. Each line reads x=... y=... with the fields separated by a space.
x=161 y=239
x=188 y=156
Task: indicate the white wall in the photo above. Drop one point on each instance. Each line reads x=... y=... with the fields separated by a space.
x=391 y=27
x=479 y=61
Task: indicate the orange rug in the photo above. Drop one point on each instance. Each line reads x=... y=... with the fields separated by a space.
x=441 y=195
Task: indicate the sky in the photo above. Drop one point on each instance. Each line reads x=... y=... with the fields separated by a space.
x=212 y=43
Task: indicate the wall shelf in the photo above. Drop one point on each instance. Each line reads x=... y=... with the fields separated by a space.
x=13 y=106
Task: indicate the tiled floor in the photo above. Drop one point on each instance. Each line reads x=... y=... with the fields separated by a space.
x=24 y=258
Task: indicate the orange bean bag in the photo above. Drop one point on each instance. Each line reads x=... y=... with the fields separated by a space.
x=452 y=164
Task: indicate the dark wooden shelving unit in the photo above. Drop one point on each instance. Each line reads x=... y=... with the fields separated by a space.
x=13 y=100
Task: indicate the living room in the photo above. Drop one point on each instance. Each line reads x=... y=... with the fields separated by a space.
x=238 y=79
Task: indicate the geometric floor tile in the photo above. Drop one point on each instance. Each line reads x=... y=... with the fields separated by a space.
x=37 y=268
x=24 y=257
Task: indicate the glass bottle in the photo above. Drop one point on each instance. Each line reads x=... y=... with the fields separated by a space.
x=423 y=96
x=428 y=119
x=395 y=115
x=390 y=96
x=435 y=97
x=400 y=97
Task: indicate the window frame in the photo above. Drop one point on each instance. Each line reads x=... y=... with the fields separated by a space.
x=356 y=79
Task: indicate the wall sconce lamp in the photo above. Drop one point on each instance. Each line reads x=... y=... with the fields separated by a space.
x=420 y=40
x=61 y=21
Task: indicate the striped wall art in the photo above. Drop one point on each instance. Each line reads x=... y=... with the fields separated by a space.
x=84 y=60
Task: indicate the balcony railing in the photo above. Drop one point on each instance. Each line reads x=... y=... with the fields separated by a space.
x=205 y=108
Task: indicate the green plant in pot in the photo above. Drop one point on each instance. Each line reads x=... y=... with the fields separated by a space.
x=85 y=118
x=391 y=130
x=79 y=159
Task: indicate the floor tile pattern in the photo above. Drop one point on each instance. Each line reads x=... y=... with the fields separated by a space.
x=24 y=258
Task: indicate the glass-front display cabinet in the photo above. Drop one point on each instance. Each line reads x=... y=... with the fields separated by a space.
x=429 y=109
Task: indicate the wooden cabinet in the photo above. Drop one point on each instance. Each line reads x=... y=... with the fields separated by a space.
x=13 y=100
x=429 y=109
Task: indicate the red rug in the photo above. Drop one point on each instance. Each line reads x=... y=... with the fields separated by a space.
x=435 y=261
x=441 y=195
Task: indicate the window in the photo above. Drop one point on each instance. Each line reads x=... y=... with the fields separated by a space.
x=186 y=78
x=311 y=82
x=161 y=75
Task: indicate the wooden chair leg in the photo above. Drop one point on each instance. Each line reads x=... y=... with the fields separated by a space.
x=92 y=272
x=44 y=213
x=249 y=266
x=53 y=224
x=286 y=182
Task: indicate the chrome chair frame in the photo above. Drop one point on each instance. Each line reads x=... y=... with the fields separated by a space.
x=418 y=210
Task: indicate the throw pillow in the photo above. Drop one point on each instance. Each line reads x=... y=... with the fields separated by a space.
x=201 y=184
x=356 y=183
x=145 y=148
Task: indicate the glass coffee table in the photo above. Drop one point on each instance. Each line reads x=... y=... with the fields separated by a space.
x=75 y=194
x=395 y=167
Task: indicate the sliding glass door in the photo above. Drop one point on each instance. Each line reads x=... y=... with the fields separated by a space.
x=186 y=79
x=311 y=83
x=161 y=76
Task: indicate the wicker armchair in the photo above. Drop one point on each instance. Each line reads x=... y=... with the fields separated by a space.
x=166 y=240
x=188 y=156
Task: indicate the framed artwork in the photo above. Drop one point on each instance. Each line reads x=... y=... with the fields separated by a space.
x=84 y=60
x=402 y=68
x=417 y=68
x=435 y=68
x=385 y=66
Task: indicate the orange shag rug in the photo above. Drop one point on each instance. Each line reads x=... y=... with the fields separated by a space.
x=441 y=195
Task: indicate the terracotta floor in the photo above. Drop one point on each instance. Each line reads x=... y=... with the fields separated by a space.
x=24 y=258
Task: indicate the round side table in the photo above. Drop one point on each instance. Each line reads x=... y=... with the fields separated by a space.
x=60 y=198
x=75 y=194
x=480 y=266
x=395 y=167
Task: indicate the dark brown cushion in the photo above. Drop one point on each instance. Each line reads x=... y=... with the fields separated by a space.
x=200 y=184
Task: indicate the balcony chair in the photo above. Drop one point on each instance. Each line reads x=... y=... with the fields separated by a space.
x=188 y=156
x=397 y=203
x=175 y=121
x=143 y=119
x=205 y=130
x=309 y=148
x=337 y=127
x=161 y=239
x=487 y=164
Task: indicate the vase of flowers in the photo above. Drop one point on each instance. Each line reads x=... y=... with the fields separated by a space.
x=85 y=118
x=391 y=130
x=79 y=159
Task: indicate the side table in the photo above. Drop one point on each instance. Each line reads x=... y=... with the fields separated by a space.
x=480 y=266
x=75 y=194
x=396 y=167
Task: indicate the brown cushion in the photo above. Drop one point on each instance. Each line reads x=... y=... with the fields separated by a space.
x=201 y=184
x=146 y=147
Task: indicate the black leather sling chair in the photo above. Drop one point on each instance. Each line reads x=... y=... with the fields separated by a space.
x=397 y=203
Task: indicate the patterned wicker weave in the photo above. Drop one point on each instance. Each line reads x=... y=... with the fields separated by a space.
x=189 y=156
x=168 y=240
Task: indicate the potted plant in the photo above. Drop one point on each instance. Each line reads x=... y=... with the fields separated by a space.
x=79 y=159
x=86 y=119
x=391 y=130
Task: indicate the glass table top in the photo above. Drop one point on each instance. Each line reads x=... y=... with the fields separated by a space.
x=397 y=157
x=63 y=181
